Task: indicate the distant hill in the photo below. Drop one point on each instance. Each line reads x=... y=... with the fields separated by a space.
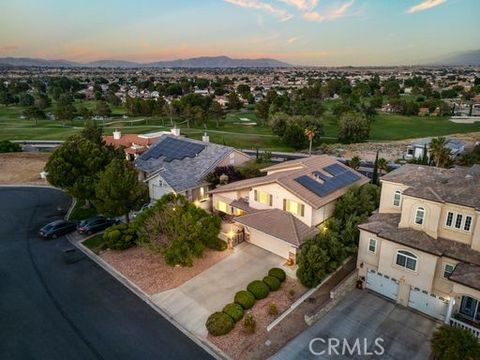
x=199 y=62
x=460 y=58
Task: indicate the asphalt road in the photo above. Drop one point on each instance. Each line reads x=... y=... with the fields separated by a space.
x=53 y=310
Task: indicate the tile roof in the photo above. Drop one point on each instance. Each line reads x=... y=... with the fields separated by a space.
x=279 y=224
x=458 y=185
x=188 y=172
x=466 y=274
x=287 y=180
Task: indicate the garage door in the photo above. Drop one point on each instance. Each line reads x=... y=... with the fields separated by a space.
x=382 y=284
x=267 y=242
x=427 y=303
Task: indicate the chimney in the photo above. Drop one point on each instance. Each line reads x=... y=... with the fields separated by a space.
x=205 y=137
x=117 y=134
x=175 y=131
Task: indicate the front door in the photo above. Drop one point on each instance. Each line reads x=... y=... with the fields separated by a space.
x=470 y=308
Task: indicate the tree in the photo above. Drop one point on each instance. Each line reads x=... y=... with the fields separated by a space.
x=382 y=166
x=234 y=102
x=35 y=113
x=353 y=128
x=65 y=109
x=439 y=152
x=452 y=343
x=6 y=98
x=93 y=132
x=26 y=100
x=294 y=135
x=375 y=179
x=118 y=190
x=261 y=110
x=8 y=146
x=310 y=133
x=216 y=111
x=354 y=162
x=102 y=109
x=42 y=101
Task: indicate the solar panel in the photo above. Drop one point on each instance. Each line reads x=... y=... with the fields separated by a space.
x=174 y=149
x=341 y=177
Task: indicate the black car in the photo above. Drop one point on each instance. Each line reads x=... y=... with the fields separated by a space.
x=95 y=224
x=57 y=228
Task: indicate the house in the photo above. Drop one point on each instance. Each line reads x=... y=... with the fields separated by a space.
x=422 y=248
x=179 y=165
x=423 y=111
x=416 y=150
x=284 y=208
x=133 y=144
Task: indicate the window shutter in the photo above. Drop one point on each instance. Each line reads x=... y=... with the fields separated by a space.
x=255 y=195
x=270 y=198
x=284 y=204
x=302 y=210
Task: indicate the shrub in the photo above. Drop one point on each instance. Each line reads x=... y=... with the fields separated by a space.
x=219 y=323
x=218 y=245
x=272 y=282
x=245 y=299
x=233 y=310
x=249 y=324
x=259 y=289
x=291 y=293
x=8 y=146
x=278 y=273
x=273 y=309
x=120 y=237
x=454 y=343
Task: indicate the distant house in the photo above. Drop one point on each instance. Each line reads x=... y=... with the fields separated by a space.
x=423 y=111
x=179 y=165
x=283 y=209
x=416 y=150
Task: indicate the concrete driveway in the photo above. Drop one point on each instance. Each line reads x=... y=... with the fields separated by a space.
x=406 y=334
x=191 y=303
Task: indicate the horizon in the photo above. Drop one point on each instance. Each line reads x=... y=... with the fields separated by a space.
x=299 y=32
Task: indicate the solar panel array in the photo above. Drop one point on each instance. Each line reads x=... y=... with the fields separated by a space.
x=340 y=177
x=174 y=149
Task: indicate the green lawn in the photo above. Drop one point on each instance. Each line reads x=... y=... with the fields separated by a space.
x=95 y=243
x=232 y=131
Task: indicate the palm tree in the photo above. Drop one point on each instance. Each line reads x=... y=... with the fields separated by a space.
x=354 y=162
x=439 y=152
x=310 y=133
x=382 y=165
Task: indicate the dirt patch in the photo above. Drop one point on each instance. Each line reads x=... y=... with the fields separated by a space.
x=149 y=271
x=22 y=168
x=237 y=344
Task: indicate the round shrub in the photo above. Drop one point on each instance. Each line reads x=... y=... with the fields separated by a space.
x=259 y=289
x=278 y=273
x=272 y=282
x=219 y=323
x=245 y=299
x=233 y=310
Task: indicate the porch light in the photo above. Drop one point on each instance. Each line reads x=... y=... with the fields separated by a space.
x=231 y=234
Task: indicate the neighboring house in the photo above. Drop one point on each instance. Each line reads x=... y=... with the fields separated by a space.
x=133 y=144
x=422 y=248
x=179 y=165
x=416 y=150
x=281 y=210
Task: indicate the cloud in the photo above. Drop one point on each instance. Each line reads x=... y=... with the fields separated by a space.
x=302 y=5
x=8 y=48
x=281 y=14
x=292 y=40
x=329 y=15
x=425 y=5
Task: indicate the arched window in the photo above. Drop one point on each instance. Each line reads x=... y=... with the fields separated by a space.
x=407 y=260
x=419 y=216
x=397 y=198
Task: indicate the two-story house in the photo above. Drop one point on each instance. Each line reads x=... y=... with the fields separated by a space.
x=422 y=247
x=281 y=210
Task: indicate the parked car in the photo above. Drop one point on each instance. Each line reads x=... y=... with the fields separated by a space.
x=57 y=228
x=95 y=224
x=134 y=214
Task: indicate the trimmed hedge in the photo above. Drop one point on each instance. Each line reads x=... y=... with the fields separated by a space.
x=120 y=237
x=278 y=273
x=245 y=299
x=233 y=310
x=259 y=289
x=219 y=323
x=272 y=282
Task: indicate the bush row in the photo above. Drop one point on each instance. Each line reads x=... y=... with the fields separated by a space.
x=222 y=322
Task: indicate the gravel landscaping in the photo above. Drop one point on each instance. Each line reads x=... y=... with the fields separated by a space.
x=22 y=168
x=149 y=271
x=238 y=343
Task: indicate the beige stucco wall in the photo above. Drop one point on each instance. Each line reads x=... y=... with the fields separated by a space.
x=432 y=215
x=476 y=232
x=368 y=259
x=322 y=214
x=442 y=286
x=270 y=243
x=386 y=199
x=451 y=232
x=460 y=290
x=235 y=158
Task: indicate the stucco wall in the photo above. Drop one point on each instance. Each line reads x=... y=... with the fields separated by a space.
x=235 y=158
x=370 y=260
x=270 y=243
x=386 y=199
x=432 y=215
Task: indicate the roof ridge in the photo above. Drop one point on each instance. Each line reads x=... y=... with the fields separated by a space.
x=295 y=230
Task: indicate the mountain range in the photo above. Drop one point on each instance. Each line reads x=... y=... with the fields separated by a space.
x=460 y=58
x=198 y=62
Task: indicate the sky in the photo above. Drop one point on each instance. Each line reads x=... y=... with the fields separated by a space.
x=300 y=32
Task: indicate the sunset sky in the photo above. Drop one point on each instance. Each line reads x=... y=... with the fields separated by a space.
x=307 y=32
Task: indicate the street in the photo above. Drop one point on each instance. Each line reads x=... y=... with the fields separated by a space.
x=53 y=310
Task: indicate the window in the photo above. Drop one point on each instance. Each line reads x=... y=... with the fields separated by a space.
x=458 y=221
x=468 y=223
x=407 y=260
x=372 y=245
x=447 y=270
x=263 y=197
x=449 y=219
x=397 y=198
x=222 y=206
x=419 y=216
x=293 y=207
x=470 y=307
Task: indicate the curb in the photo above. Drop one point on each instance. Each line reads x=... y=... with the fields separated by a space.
x=70 y=209
x=210 y=348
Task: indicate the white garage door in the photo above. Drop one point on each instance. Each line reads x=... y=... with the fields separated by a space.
x=429 y=304
x=268 y=242
x=382 y=284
